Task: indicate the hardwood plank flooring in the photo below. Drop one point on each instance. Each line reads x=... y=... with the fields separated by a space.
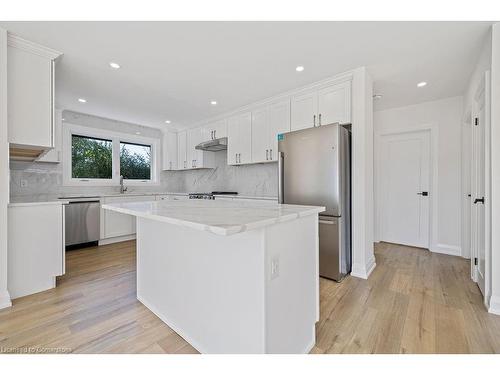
x=414 y=302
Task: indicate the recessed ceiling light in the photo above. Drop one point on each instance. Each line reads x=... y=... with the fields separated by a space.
x=63 y=119
x=213 y=102
x=114 y=65
x=377 y=96
x=81 y=100
x=138 y=133
x=421 y=84
x=167 y=121
x=300 y=68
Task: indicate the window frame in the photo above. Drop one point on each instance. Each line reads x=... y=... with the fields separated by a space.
x=116 y=138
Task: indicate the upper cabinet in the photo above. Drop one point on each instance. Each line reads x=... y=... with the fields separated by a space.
x=328 y=105
x=197 y=159
x=187 y=155
x=30 y=91
x=54 y=155
x=169 y=150
x=181 y=150
x=239 y=139
x=215 y=130
x=267 y=123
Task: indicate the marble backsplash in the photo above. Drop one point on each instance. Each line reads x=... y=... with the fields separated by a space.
x=32 y=181
x=44 y=181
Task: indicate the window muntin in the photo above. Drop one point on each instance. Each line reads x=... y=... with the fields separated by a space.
x=91 y=158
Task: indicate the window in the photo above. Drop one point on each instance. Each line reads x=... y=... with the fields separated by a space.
x=91 y=157
x=97 y=157
x=135 y=161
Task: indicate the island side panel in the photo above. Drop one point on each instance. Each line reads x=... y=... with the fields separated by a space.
x=292 y=291
x=208 y=288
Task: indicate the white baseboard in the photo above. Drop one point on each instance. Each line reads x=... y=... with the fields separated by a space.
x=5 y=300
x=447 y=249
x=363 y=271
x=494 y=305
x=107 y=241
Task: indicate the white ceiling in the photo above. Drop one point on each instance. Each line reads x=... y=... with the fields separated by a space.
x=172 y=70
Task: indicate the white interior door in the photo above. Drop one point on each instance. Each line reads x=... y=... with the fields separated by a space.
x=404 y=184
x=478 y=222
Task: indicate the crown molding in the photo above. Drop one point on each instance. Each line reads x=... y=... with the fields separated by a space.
x=337 y=79
x=26 y=45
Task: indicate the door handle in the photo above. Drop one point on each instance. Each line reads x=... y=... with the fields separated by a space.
x=314 y=120
x=319 y=120
x=479 y=200
x=271 y=154
x=423 y=193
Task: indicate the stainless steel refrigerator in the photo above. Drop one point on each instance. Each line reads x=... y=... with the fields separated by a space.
x=315 y=169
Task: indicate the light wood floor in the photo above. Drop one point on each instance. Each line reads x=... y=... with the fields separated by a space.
x=414 y=302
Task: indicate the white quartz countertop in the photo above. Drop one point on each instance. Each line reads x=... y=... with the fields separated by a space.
x=219 y=217
x=47 y=203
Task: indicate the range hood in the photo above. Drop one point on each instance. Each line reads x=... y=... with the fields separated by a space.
x=218 y=144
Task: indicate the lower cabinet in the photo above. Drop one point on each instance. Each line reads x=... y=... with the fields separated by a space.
x=36 y=248
x=114 y=224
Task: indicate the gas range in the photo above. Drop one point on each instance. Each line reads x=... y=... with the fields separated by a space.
x=210 y=195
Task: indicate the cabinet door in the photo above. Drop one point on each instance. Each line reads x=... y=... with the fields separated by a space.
x=30 y=98
x=260 y=137
x=220 y=129
x=304 y=111
x=196 y=158
x=334 y=104
x=54 y=155
x=233 y=140
x=181 y=150
x=245 y=138
x=169 y=150
x=279 y=122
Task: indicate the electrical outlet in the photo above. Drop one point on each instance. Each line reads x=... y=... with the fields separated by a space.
x=24 y=183
x=275 y=267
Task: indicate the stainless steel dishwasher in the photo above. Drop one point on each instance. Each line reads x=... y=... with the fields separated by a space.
x=82 y=221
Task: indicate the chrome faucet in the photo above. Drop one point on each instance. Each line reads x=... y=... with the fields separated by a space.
x=123 y=189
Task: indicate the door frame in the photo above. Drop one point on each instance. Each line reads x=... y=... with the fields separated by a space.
x=432 y=128
x=483 y=86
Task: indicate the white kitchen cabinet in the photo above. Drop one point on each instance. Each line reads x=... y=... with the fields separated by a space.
x=169 y=150
x=267 y=123
x=215 y=130
x=182 y=150
x=54 y=155
x=197 y=159
x=30 y=98
x=334 y=104
x=114 y=224
x=36 y=247
x=239 y=134
x=304 y=111
x=321 y=107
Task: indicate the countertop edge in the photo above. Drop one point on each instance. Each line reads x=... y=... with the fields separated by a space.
x=49 y=203
x=223 y=231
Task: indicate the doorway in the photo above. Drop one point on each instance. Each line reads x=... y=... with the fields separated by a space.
x=405 y=176
x=479 y=185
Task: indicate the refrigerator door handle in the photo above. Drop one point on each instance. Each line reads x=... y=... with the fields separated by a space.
x=280 y=177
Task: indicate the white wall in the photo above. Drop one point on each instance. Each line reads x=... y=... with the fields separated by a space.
x=446 y=115
x=363 y=259
x=4 y=171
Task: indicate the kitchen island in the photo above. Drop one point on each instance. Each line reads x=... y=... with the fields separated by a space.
x=230 y=276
